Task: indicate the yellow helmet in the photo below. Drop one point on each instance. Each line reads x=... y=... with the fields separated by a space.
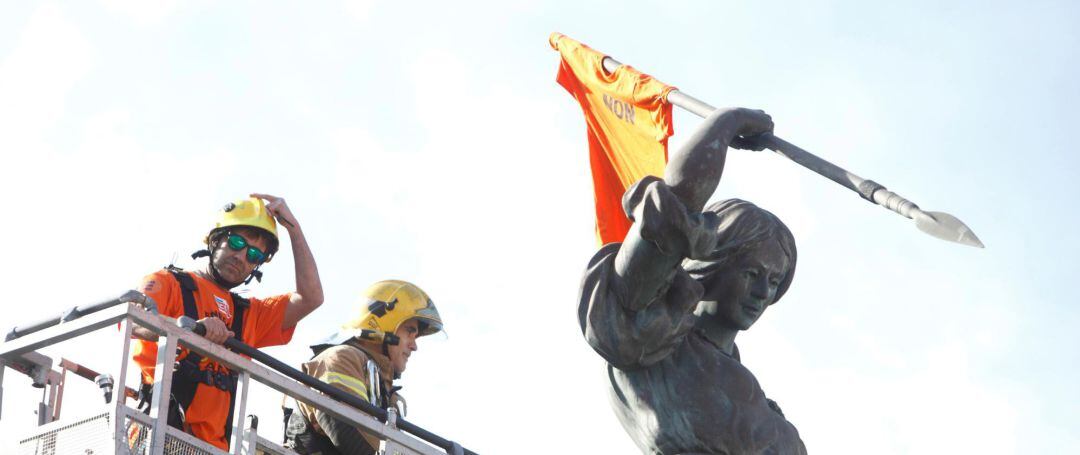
x=250 y=212
x=388 y=304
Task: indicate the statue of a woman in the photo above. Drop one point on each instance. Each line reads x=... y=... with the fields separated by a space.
x=663 y=307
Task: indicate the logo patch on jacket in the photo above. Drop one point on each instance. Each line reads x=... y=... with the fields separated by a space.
x=222 y=306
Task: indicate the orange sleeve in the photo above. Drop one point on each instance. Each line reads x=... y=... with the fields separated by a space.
x=265 y=317
x=164 y=289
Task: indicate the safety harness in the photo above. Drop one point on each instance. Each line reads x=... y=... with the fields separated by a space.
x=187 y=374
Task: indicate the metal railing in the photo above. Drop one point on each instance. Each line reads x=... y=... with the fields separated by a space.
x=131 y=431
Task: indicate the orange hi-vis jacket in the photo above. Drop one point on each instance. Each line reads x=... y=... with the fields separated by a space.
x=209 y=413
x=629 y=122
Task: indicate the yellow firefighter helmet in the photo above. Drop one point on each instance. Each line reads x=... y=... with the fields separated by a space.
x=388 y=304
x=250 y=212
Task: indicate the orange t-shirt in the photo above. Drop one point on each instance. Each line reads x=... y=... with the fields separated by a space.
x=209 y=409
x=629 y=122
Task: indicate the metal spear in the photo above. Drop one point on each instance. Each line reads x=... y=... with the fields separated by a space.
x=938 y=224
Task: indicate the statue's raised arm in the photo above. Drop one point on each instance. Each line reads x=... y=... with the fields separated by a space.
x=694 y=172
x=691 y=177
x=663 y=307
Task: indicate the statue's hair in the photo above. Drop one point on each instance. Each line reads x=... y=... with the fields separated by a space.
x=741 y=228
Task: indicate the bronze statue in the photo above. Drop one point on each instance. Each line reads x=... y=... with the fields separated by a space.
x=663 y=307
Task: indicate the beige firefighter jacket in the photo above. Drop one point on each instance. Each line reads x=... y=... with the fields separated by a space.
x=345 y=367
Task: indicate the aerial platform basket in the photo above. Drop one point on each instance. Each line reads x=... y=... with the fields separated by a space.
x=120 y=428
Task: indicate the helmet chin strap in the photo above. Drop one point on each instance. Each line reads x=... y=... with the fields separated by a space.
x=386 y=351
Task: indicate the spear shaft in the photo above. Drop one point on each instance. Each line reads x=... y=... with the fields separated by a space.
x=937 y=224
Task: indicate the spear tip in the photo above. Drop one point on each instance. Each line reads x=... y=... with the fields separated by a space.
x=946 y=227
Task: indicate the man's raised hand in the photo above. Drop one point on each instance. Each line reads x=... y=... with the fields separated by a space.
x=279 y=209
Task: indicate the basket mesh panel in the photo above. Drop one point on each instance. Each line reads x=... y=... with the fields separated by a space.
x=139 y=436
x=93 y=435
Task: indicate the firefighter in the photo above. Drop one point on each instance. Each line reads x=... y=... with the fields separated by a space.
x=244 y=238
x=363 y=358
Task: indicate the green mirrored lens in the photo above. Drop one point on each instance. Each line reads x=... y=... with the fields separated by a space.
x=237 y=242
x=255 y=256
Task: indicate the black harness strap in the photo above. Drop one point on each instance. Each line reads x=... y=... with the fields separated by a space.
x=183 y=390
x=188 y=373
x=188 y=290
x=240 y=306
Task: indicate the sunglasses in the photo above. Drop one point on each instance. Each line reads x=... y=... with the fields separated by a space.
x=254 y=255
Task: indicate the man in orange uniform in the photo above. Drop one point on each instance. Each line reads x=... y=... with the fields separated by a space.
x=244 y=237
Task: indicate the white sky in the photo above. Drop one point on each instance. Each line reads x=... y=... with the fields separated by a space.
x=430 y=142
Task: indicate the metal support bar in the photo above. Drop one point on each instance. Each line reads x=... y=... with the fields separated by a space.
x=159 y=405
x=392 y=448
x=120 y=397
x=121 y=391
x=52 y=335
x=250 y=443
x=271 y=447
x=2 y=368
x=240 y=413
x=48 y=408
x=43 y=410
x=56 y=393
x=80 y=311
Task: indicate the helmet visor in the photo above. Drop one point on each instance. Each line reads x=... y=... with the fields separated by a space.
x=432 y=329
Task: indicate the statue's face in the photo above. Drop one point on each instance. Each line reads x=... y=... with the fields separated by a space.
x=738 y=292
